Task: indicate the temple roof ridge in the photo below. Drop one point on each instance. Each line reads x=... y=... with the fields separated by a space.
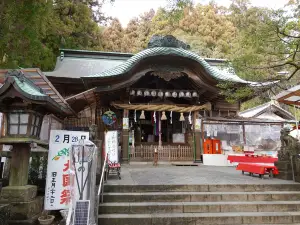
x=224 y=75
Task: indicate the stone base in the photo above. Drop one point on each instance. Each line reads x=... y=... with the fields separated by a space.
x=284 y=175
x=18 y=193
x=283 y=165
x=297 y=179
x=125 y=161
x=25 y=206
x=285 y=170
x=5 y=213
x=32 y=221
x=27 y=210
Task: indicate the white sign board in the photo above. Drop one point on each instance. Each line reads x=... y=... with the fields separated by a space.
x=111 y=146
x=125 y=123
x=57 y=193
x=198 y=125
x=178 y=138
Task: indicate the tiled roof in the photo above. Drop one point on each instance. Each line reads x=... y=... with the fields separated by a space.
x=218 y=74
x=29 y=88
x=266 y=110
x=35 y=85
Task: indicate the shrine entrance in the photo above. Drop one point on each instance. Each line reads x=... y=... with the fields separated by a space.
x=146 y=135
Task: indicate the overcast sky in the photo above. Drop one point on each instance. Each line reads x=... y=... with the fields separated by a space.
x=124 y=10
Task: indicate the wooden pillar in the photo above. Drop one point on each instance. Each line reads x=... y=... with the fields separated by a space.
x=125 y=139
x=159 y=131
x=197 y=138
x=19 y=165
x=244 y=133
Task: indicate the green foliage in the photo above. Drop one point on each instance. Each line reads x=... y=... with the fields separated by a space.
x=175 y=9
x=254 y=102
x=210 y=29
x=234 y=93
x=32 y=31
x=264 y=46
x=23 y=26
x=113 y=36
x=34 y=170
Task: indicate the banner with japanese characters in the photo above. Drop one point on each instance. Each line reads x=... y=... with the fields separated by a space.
x=57 y=193
x=111 y=146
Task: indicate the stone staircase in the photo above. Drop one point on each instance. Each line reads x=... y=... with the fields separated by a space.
x=200 y=204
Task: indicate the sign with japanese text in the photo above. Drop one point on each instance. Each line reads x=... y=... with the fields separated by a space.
x=57 y=193
x=198 y=124
x=125 y=123
x=111 y=146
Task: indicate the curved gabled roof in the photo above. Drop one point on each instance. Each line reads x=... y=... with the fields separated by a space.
x=223 y=75
x=26 y=87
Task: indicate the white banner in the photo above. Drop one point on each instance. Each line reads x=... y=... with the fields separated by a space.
x=57 y=193
x=198 y=125
x=111 y=146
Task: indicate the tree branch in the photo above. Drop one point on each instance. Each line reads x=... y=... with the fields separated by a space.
x=282 y=38
x=268 y=67
x=295 y=52
x=296 y=70
x=285 y=34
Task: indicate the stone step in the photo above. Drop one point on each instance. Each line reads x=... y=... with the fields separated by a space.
x=199 y=207
x=201 y=218
x=202 y=196
x=202 y=188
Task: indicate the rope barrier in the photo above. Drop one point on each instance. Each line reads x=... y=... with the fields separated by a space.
x=163 y=107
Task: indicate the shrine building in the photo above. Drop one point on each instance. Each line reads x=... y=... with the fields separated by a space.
x=165 y=98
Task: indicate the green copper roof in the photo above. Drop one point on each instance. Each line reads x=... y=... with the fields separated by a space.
x=29 y=88
x=17 y=80
x=225 y=75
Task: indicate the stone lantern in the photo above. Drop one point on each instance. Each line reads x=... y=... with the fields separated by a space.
x=23 y=105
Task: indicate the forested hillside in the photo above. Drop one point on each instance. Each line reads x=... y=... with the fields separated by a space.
x=258 y=42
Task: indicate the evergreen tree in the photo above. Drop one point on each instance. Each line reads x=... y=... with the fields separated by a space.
x=130 y=42
x=144 y=29
x=23 y=26
x=210 y=25
x=112 y=36
x=32 y=31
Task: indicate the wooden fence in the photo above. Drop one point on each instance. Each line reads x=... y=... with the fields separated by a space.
x=145 y=153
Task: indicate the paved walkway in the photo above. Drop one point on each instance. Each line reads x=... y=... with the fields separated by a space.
x=168 y=174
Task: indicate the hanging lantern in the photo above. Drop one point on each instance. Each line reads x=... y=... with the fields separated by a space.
x=160 y=94
x=181 y=94
x=181 y=117
x=142 y=116
x=195 y=94
x=188 y=94
x=167 y=94
x=163 y=117
x=153 y=93
x=174 y=94
x=132 y=92
x=146 y=93
x=139 y=93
